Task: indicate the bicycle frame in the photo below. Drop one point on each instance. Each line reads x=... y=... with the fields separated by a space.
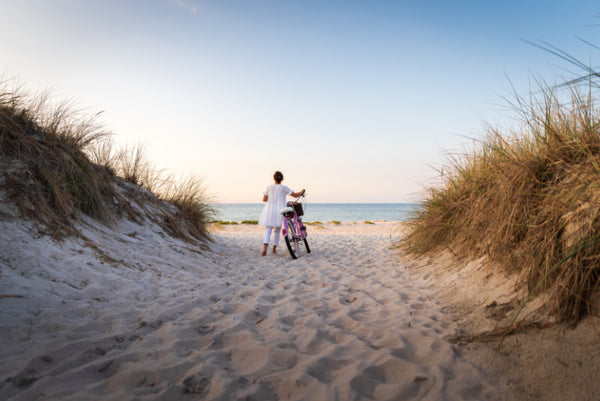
x=292 y=222
x=299 y=227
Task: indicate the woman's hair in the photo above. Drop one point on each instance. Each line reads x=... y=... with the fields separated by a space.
x=278 y=177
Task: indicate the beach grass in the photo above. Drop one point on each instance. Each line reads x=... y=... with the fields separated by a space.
x=224 y=222
x=58 y=163
x=528 y=200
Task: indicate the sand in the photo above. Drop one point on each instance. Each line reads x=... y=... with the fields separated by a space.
x=543 y=360
x=130 y=313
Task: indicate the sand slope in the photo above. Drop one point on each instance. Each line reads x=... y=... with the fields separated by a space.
x=133 y=314
x=544 y=360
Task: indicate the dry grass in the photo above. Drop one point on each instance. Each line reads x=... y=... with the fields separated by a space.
x=57 y=163
x=46 y=170
x=529 y=200
x=194 y=213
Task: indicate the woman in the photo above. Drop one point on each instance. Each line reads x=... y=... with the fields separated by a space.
x=271 y=217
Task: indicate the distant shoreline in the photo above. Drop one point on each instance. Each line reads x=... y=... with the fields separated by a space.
x=323 y=212
x=324 y=203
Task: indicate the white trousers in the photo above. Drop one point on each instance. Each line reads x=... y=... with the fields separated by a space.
x=275 y=237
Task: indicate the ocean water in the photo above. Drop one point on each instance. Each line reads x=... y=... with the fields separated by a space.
x=323 y=212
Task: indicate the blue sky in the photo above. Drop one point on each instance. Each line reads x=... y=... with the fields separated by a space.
x=356 y=101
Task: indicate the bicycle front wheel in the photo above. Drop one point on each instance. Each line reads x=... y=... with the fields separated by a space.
x=306 y=245
x=291 y=240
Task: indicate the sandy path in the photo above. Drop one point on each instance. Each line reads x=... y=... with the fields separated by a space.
x=155 y=319
x=353 y=324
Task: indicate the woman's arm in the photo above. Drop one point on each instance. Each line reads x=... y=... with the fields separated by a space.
x=265 y=198
x=297 y=194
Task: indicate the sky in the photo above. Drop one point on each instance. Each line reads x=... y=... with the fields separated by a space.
x=356 y=101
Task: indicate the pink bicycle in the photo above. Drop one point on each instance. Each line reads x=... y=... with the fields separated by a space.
x=292 y=228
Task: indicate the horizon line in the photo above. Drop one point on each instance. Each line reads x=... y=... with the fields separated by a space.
x=321 y=203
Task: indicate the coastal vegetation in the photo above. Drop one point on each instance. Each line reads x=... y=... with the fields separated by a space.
x=224 y=222
x=57 y=164
x=233 y=222
x=528 y=199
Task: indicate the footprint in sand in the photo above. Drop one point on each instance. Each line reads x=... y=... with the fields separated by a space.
x=248 y=357
x=195 y=385
x=324 y=369
x=394 y=379
x=283 y=358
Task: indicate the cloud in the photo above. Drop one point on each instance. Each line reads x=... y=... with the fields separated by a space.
x=190 y=5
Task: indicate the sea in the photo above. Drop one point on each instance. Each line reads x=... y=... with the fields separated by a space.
x=323 y=212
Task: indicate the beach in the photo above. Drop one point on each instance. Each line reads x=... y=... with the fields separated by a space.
x=133 y=314
x=129 y=313
x=455 y=245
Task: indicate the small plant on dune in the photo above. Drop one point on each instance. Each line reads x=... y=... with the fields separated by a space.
x=193 y=210
x=336 y=222
x=250 y=222
x=529 y=200
x=188 y=194
x=131 y=164
x=368 y=222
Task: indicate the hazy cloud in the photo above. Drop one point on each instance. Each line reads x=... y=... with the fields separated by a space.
x=190 y=5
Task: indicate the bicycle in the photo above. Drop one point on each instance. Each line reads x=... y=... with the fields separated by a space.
x=292 y=228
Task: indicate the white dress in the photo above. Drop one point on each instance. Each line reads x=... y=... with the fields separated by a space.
x=271 y=216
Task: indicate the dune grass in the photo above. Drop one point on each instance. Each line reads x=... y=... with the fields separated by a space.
x=529 y=200
x=227 y=222
x=194 y=211
x=57 y=163
x=46 y=170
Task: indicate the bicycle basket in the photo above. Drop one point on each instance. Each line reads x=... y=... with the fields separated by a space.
x=298 y=208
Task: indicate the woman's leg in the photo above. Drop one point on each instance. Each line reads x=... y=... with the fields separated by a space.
x=276 y=239
x=267 y=239
x=267 y=235
x=276 y=236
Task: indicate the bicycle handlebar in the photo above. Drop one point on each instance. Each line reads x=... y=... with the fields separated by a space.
x=301 y=196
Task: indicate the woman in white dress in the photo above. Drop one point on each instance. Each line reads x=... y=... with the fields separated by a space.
x=271 y=218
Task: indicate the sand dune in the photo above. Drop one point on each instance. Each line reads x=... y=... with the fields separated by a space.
x=134 y=314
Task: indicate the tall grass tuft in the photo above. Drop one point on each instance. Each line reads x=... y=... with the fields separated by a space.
x=56 y=163
x=46 y=169
x=194 y=213
x=529 y=200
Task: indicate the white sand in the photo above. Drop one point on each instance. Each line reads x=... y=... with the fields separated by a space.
x=549 y=362
x=134 y=314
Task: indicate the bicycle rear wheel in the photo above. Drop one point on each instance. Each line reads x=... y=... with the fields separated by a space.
x=291 y=240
